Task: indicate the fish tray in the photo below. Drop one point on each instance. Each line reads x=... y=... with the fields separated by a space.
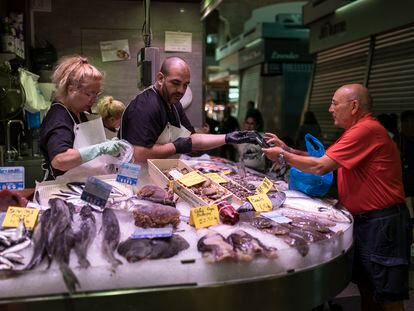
x=156 y=168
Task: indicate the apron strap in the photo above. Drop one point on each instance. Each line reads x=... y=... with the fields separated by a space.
x=74 y=122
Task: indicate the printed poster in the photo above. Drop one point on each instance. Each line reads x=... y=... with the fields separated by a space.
x=116 y=50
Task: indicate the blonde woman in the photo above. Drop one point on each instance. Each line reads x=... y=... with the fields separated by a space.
x=70 y=138
x=111 y=112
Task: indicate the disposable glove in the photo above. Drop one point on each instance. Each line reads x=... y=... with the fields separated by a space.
x=183 y=145
x=241 y=137
x=111 y=147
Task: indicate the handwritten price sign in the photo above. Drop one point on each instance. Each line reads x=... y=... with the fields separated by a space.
x=260 y=202
x=216 y=178
x=191 y=179
x=204 y=216
x=264 y=186
x=15 y=215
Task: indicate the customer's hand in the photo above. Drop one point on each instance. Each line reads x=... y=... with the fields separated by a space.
x=241 y=137
x=273 y=140
x=183 y=145
x=272 y=153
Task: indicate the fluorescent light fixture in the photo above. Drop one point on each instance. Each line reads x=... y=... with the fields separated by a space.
x=254 y=42
x=182 y=10
x=348 y=6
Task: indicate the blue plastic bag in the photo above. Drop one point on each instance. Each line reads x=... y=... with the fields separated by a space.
x=311 y=184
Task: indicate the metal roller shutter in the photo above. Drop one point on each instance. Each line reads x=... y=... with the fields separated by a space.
x=334 y=68
x=391 y=79
x=249 y=90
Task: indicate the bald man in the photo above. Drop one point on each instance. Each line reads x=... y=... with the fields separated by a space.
x=156 y=124
x=370 y=187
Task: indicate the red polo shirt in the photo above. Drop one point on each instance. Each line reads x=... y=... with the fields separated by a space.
x=370 y=175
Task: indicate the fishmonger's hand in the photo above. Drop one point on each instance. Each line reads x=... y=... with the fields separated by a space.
x=241 y=137
x=111 y=147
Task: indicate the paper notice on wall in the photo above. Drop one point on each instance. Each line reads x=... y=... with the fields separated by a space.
x=177 y=41
x=115 y=50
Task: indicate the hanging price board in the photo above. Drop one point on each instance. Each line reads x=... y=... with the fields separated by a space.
x=264 y=186
x=260 y=202
x=204 y=216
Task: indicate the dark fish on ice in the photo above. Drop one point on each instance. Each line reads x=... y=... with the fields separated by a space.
x=111 y=236
x=85 y=235
x=214 y=247
x=136 y=249
x=247 y=246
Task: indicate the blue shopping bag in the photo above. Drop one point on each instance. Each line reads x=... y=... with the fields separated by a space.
x=311 y=184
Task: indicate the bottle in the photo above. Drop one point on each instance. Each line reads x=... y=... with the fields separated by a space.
x=7 y=40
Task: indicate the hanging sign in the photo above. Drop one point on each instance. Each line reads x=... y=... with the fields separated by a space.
x=177 y=41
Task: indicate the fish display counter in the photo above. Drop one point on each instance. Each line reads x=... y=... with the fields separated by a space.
x=294 y=259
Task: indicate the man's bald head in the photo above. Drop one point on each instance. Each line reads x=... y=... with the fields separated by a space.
x=174 y=62
x=358 y=92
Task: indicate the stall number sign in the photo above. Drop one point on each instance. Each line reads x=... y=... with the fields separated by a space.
x=96 y=191
x=204 y=216
x=15 y=215
x=260 y=202
x=191 y=179
x=12 y=177
x=216 y=178
x=264 y=186
x=128 y=173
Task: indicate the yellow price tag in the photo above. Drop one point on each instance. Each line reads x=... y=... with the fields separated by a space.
x=191 y=179
x=227 y=172
x=264 y=186
x=260 y=202
x=204 y=216
x=216 y=178
x=15 y=215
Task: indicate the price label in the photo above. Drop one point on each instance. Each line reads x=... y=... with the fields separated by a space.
x=260 y=202
x=277 y=217
x=96 y=191
x=175 y=174
x=264 y=186
x=128 y=173
x=150 y=233
x=15 y=215
x=12 y=177
x=227 y=172
x=204 y=216
x=191 y=179
x=216 y=178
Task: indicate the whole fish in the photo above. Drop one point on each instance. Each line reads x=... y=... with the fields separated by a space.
x=17 y=247
x=111 y=236
x=85 y=235
x=316 y=207
x=39 y=240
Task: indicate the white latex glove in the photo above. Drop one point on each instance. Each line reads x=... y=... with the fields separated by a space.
x=111 y=147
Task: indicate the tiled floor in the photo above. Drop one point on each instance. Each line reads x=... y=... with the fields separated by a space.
x=349 y=299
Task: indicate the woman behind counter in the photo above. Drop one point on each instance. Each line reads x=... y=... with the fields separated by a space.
x=70 y=138
x=111 y=112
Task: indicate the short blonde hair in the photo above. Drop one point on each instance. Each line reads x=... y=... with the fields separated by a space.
x=108 y=107
x=73 y=70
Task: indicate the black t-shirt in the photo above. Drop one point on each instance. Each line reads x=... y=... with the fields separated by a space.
x=146 y=117
x=56 y=134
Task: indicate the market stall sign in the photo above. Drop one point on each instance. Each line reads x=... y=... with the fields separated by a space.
x=15 y=215
x=191 y=179
x=216 y=178
x=260 y=202
x=128 y=173
x=264 y=186
x=204 y=216
x=96 y=191
x=277 y=217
